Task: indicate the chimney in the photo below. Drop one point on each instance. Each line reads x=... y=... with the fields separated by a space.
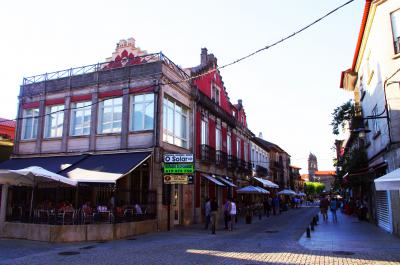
x=203 y=56
x=260 y=135
x=240 y=103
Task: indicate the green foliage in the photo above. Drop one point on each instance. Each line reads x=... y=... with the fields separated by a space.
x=313 y=188
x=340 y=115
x=352 y=161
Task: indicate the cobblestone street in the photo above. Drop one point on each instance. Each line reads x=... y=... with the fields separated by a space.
x=275 y=240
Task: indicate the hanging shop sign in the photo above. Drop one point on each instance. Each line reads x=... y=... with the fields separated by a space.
x=178 y=179
x=178 y=168
x=178 y=158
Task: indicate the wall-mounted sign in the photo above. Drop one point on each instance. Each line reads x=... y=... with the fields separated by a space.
x=178 y=179
x=178 y=168
x=178 y=158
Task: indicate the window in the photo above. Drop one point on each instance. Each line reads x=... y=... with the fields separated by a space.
x=80 y=118
x=256 y=158
x=229 y=143
x=110 y=115
x=54 y=121
x=204 y=132
x=218 y=139
x=175 y=123
x=142 y=112
x=245 y=152
x=395 y=18
x=215 y=94
x=375 y=124
x=30 y=123
x=238 y=148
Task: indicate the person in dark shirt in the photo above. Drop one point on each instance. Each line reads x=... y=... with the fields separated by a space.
x=214 y=214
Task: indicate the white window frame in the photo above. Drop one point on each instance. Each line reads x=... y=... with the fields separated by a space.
x=100 y=126
x=173 y=137
x=204 y=132
x=238 y=148
x=32 y=134
x=229 y=143
x=375 y=122
x=218 y=139
x=54 y=113
x=216 y=94
x=145 y=103
x=245 y=155
x=395 y=23
x=85 y=108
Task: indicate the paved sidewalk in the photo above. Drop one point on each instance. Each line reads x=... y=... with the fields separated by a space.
x=350 y=235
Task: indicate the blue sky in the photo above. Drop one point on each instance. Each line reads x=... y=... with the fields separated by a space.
x=288 y=91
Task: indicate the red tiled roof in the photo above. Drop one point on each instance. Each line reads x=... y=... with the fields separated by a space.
x=7 y=123
x=305 y=176
x=295 y=167
x=325 y=173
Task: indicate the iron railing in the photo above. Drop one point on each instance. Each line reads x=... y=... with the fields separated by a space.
x=104 y=66
x=221 y=159
x=207 y=153
x=232 y=162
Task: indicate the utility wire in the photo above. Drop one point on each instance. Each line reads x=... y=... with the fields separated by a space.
x=220 y=67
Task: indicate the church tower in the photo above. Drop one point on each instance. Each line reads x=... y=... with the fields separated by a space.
x=312 y=166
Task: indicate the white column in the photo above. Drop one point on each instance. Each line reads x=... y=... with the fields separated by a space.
x=3 y=207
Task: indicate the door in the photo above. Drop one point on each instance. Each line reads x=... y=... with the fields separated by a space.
x=383 y=210
x=177 y=204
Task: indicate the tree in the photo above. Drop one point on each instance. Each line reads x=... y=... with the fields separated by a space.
x=313 y=188
x=341 y=114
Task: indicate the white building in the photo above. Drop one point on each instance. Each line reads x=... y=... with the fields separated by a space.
x=374 y=77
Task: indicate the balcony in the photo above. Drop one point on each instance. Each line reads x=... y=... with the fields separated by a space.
x=207 y=153
x=261 y=171
x=221 y=159
x=232 y=162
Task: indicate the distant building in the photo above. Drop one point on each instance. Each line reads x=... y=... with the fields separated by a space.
x=312 y=166
x=325 y=177
x=295 y=181
x=7 y=132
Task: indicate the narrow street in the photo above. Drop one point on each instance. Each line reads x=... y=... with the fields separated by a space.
x=275 y=240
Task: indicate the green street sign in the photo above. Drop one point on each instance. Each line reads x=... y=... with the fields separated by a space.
x=178 y=168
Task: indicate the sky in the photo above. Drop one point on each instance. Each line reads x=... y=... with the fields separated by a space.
x=288 y=91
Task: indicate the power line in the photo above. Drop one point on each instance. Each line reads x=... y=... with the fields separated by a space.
x=220 y=67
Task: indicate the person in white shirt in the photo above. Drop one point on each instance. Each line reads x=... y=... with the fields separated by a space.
x=232 y=214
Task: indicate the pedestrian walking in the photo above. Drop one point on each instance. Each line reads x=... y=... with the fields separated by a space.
x=207 y=212
x=227 y=212
x=333 y=206
x=323 y=205
x=232 y=215
x=269 y=206
x=214 y=214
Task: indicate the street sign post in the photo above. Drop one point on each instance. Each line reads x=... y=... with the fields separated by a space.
x=178 y=158
x=178 y=168
x=178 y=179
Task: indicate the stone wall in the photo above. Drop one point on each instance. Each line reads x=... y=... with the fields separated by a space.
x=76 y=233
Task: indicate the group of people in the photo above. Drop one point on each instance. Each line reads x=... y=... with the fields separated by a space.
x=332 y=204
x=357 y=206
x=211 y=214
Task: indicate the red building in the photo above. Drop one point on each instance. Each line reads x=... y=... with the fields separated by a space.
x=7 y=129
x=222 y=137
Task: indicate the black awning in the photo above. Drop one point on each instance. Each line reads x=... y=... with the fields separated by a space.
x=105 y=168
x=54 y=163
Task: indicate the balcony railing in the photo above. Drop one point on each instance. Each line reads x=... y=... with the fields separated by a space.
x=232 y=162
x=221 y=159
x=207 y=153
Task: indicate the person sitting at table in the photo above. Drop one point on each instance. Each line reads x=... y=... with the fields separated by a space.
x=138 y=210
x=87 y=208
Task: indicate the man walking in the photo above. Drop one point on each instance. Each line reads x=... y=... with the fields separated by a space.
x=232 y=215
x=334 y=205
x=227 y=212
x=323 y=205
x=214 y=214
x=207 y=211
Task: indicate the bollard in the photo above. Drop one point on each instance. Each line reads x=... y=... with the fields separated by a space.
x=308 y=232
x=312 y=226
x=314 y=220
